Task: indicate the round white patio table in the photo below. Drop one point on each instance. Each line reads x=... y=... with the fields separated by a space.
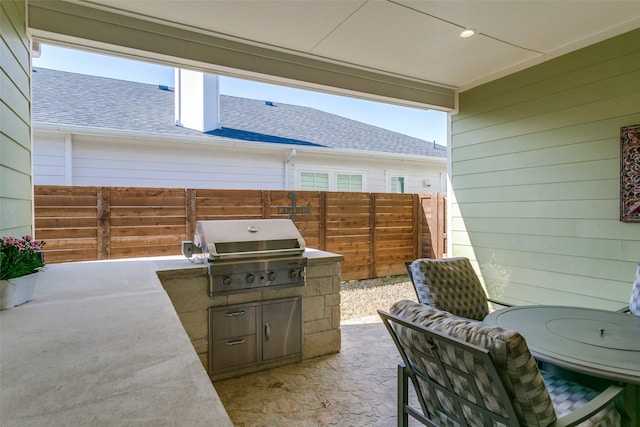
x=598 y=343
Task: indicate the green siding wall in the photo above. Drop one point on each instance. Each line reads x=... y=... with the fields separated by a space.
x=535 y=161
x=15 y=121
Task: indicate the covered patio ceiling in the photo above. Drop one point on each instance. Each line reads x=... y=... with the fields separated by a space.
x=402 y=51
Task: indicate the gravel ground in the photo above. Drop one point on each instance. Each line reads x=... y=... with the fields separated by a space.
x=362 y=298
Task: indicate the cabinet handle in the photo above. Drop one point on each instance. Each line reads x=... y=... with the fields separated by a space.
x=234 y=313
x=267 y=331
x=236 y=342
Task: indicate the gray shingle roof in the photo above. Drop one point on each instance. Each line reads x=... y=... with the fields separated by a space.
x=80 y=100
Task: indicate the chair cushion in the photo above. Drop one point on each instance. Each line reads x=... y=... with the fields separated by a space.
x=634 y=301
x=450 y=284
x=567 y=396
x=509 y=352
x=537 y=399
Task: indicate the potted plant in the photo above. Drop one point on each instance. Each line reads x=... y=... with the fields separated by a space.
x=20 y=260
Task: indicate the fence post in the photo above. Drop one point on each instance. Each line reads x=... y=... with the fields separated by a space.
x=266 y=204
x=103 y=223
x=190 y=209
x=429 y=207
x=442 y=225
x=322 y=226
x=372 y=236
x=417 y=227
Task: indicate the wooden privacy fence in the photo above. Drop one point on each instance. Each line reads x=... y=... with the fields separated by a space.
x=375 y=232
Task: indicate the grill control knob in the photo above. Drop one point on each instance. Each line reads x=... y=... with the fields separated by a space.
x=250 y=278
x=293 y=274
x=271 y=276
x=226 y=281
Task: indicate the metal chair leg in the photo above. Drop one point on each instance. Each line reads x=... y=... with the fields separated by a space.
x=403 y=396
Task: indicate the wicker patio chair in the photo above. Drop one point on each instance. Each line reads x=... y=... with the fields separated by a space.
x=450 y=284
x=466 y=373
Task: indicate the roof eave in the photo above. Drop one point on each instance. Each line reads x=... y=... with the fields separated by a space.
x=207 y=139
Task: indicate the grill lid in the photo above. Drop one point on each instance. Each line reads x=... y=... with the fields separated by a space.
x=230 y=239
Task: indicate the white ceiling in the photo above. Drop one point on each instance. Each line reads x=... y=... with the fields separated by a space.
x=417 y=39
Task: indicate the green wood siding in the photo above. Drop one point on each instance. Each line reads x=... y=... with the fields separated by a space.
x=535 y=165
x=16 y=189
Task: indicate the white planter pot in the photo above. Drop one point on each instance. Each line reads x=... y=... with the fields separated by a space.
x=17 y=291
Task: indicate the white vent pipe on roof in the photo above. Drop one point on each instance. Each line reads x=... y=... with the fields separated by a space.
x=197 y=100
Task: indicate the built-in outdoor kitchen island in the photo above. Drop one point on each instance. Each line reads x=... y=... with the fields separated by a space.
x=101 y=343
x=261 y=299
x=320 y=298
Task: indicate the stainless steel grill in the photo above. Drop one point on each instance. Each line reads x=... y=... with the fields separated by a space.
x=243 y=255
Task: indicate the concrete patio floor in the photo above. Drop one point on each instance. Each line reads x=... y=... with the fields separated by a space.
x=356 y=387
x=115 y=353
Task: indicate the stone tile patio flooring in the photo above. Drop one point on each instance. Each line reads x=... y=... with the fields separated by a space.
x=356 y=387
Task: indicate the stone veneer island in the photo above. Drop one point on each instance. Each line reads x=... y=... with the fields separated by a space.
x=188 y=291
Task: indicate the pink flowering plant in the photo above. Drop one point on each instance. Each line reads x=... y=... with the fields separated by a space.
x=20 y=256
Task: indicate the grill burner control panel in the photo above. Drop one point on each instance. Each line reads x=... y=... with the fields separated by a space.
x=242 y=276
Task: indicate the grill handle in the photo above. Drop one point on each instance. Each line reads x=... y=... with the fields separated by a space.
x=235 y=313
x=251 y=254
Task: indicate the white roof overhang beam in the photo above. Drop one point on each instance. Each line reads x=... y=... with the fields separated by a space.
x=145 y=38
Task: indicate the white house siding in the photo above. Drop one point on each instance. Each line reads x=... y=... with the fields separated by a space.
x=117 y=161
x=121 y=161
x=16 y=212
x=536 y=168
x=49 y=162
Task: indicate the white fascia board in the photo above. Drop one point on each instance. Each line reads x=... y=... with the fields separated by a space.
x=226 y=142
x=95 y=26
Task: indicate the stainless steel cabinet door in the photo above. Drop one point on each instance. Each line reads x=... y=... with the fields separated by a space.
x=281 y=328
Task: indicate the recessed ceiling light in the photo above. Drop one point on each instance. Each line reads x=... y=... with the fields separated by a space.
x=468 y=32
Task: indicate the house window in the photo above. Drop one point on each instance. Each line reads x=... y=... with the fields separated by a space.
x=346 y=182
x=314 y=181
x=397 y=184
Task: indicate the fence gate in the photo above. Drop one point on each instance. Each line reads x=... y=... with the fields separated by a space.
x=434 y=217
